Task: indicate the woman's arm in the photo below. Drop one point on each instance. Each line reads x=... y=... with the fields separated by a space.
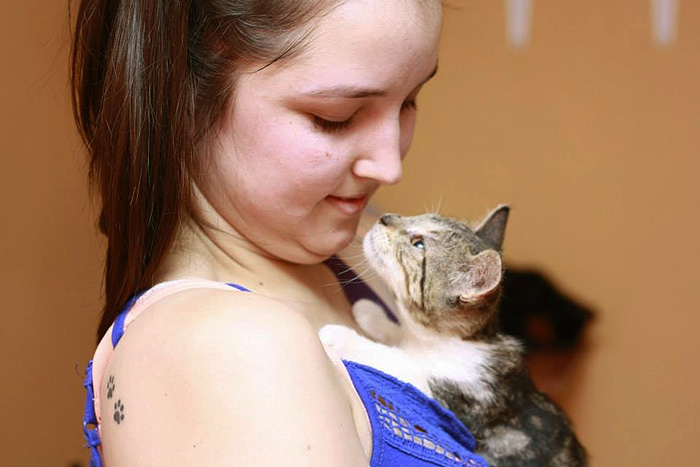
x=211 y=377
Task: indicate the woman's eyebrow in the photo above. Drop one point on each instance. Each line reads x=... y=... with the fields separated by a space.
x=357 y=91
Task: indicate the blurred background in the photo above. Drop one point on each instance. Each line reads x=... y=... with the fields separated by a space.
x=583 y=116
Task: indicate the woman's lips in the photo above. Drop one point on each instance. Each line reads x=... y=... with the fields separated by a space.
x=349 y=206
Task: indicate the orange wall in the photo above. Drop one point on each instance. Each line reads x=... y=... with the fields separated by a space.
x=50 y=257
x=591 y=134
x=50 y=261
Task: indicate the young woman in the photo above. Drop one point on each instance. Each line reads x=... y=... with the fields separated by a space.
x=235 y=145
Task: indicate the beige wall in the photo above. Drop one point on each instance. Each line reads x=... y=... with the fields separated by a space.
x=49 y=254
x=591 y=134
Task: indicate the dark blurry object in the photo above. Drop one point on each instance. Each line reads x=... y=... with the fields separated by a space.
x=536 y=312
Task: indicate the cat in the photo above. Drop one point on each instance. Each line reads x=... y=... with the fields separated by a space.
x=446 y=278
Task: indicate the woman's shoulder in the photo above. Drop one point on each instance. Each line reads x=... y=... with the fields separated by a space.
x=206 y=312
x=212 y=376
x=215 y=319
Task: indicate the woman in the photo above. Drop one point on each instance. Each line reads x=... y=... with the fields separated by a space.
x=238 y=142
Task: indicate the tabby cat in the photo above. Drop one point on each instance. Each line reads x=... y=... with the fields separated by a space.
x=446 y=278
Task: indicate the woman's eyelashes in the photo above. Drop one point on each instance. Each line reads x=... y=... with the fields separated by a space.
x=329 y=126
x=332 y=126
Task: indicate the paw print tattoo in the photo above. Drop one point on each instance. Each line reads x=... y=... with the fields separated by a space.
x=118 y=411
x=110 y=387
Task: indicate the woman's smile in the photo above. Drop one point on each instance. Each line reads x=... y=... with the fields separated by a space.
x=351 y=206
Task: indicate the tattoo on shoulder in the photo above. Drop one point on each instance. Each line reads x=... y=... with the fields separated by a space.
x=118 y=405
x=110 y=387
x=118 y=411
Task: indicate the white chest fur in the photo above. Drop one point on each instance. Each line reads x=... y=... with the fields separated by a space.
x=416 y=361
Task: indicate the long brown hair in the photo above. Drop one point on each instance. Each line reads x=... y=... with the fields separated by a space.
x=151 y=80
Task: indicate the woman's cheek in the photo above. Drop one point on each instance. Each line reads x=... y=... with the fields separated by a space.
x=312 y=173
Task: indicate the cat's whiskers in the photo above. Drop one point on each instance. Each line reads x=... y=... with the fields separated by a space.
x=433 y=209
x=363 y=271
x=360 y=256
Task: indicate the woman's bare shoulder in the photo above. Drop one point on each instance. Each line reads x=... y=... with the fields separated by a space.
x=211 y=377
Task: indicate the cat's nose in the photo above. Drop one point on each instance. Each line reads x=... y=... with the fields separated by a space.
x=389 y=219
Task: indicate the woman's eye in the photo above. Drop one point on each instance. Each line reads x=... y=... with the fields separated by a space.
x=329 y=126
x=417 y=242
x=332 y=126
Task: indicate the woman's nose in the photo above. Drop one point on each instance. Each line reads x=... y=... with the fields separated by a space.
x=381 y=158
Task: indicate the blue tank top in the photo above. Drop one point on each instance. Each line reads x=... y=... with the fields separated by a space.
x=409 y=429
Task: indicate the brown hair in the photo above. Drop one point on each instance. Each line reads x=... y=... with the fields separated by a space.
x=151 y=80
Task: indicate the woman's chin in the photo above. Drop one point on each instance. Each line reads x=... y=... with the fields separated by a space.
x=322 y=248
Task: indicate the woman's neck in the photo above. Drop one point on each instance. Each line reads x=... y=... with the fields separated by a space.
x=222 y=254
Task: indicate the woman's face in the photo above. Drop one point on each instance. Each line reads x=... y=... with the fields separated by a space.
x=308 y=141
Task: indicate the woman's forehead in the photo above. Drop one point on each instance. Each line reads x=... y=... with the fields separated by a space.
x=364 y=47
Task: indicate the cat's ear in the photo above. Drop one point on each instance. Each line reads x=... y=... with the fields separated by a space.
x=493 y=227
x=482 y=278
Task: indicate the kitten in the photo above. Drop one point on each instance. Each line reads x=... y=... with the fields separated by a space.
x=447 y=281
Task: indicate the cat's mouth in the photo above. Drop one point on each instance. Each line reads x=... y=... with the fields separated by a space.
x=377 y=249
x=370 y=250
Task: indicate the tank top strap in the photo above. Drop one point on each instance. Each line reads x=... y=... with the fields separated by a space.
x=118 y=325
x=158 y=292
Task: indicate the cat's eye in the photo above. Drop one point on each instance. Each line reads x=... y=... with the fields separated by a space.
x=417 y=242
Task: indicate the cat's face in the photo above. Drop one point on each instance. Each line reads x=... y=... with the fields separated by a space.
x=445 y=275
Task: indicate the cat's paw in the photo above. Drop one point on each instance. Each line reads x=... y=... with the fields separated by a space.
x=337 y=340
x=366 y=314
x=374 y=322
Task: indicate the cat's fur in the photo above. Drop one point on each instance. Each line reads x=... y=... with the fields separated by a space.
x=446 y=278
